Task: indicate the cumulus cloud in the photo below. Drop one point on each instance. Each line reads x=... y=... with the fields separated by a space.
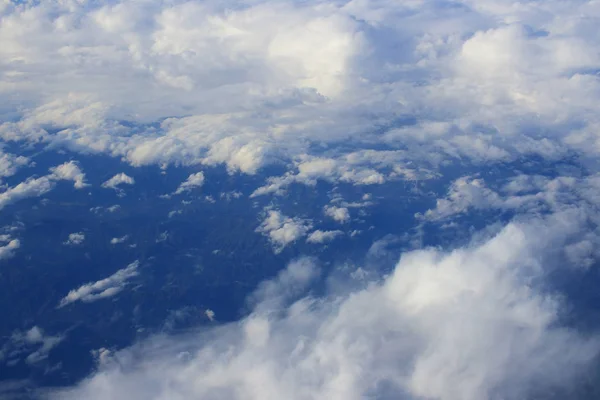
x=193 y=181
x=465 y=324
x=103 y=288
x=8 y=247
x=320 y=236
x=117 y=180
x=339 y=214
x=75 y=239
x=70 y=171
x=36 y=187
x=282 y=230
x=10 y=163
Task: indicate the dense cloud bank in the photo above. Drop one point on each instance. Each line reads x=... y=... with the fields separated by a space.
x=249 y=83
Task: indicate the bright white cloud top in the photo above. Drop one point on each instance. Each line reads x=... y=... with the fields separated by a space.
x=103 y=288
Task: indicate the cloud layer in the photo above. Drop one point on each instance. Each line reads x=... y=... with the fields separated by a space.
x=409 y=85
x=467 y=324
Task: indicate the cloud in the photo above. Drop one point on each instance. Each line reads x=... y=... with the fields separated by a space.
x=70 y=171
x=193 y=181
x=75 y=239
x=117 y=240
x=10 y=163
x=36 y=187
x=201 y=83
x=282 y=230
x=118 y=179
x=339 y=214
x=9 y=246
x=320 y=236
x=465 y=324
x=21 y=343
x=103 y=288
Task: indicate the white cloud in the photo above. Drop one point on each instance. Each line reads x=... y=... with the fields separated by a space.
x=75 y=239
x=70 y=171
x=34 y=342
x=9 y=163
x=32 y=187
x=461 y=325
x=36 y=187
x=103 y=288
x=9 y=245
x=339 y=214
x=320 y=236
x=118 y=179
x=282 y=230
x=193 y=181
x=117 y=240
x=239 y=86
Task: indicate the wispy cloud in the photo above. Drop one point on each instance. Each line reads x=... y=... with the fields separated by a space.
x=103 y=288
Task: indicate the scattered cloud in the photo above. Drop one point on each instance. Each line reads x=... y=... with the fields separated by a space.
x=339 y=214
x=193 y=181
x=70 y=171
x=8 y=247
x=10 y=163
x=117 y=240
x=117 y=180
x=75 y=239
x=282 y=230
x=320 y=236
x=36 y=187
x=32 y=346
x=103 y=288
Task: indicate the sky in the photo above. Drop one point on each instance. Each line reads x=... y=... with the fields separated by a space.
x=492 y=103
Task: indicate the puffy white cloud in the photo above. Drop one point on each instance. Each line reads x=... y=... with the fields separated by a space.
x=466 y=324
x=103 y=288
x=282 y=230
x=32 y=187
x=35 y=187
x=118 y=179
x=75 y=239
x=9 y=163
x=320 y=236
x=193 y=181
x=70 y=171
x=9 y=245
x=339 y=214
